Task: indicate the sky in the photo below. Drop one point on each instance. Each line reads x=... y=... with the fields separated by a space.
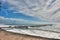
x=29 y=11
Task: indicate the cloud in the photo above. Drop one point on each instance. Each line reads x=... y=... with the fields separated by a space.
x=3 y=0
x=1 y=18
x=43 y=9
x=17 y=21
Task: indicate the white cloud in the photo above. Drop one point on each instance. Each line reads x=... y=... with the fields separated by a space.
x=1 y=17
x=38 y=9
x=20 y=20
x=3 y=0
